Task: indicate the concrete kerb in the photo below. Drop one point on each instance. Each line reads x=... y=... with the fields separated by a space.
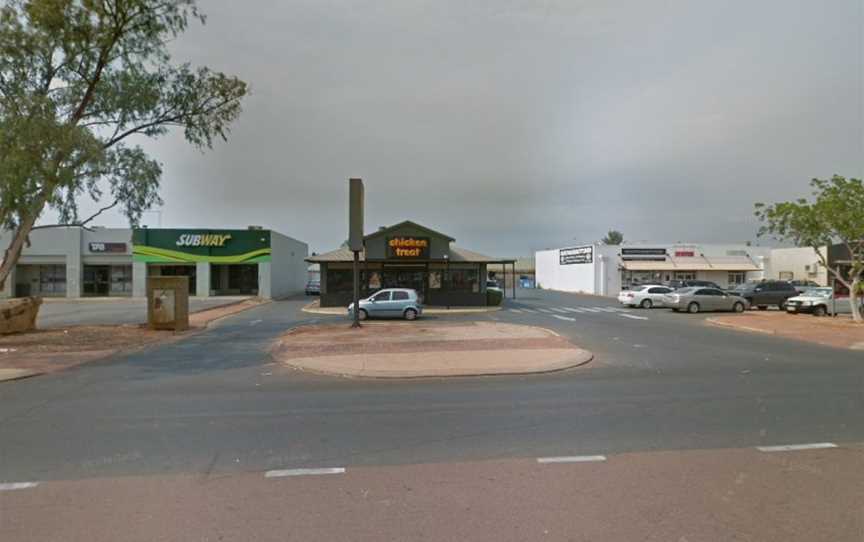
x=312 y=308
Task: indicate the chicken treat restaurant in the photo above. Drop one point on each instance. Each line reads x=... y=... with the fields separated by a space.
x=408 y=255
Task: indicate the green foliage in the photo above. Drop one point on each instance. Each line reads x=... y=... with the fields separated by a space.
x=79 y=79
x=834 y=214
x=494 y=297
x=614 y=237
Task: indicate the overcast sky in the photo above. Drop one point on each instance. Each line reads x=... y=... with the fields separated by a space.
x=514 y=125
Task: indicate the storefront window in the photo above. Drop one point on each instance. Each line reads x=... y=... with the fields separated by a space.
x=737 y=277
x=465 y=280
x=435 y=279
x=339 y=280
x=52 y=279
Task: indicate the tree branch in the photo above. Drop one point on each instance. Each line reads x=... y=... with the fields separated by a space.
x=82 y=223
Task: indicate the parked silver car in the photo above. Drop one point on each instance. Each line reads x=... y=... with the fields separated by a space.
x=696 y=299
x=645 y=296
x=390 y=303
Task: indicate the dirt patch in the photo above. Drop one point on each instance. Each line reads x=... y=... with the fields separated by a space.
x=839 y=332
x=417 y=349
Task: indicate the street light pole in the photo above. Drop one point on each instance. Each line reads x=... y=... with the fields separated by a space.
x=447 y=278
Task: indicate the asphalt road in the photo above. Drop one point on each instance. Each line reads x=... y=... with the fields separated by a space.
x=215 y=405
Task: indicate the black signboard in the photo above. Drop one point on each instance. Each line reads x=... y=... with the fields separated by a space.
x=408 y=247
x=569 y=256
x=108 y=247
x=647 y=254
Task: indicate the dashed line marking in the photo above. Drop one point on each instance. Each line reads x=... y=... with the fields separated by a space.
x=634 y=317
x=545 y=310
x=607 y=309
x=572 y=459
x=303 y=472
x=532 y=311
x=558 y=309
x=253 y=322
x=589 y=309
x=797 y=447
x=567 y=318
x=571 y=309
x=12 y=486
x=515 y=310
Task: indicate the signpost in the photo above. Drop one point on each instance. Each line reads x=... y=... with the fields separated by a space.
x=355 y=238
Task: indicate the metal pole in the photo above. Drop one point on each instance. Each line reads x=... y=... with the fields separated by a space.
x=356 y=322
x=513 y=265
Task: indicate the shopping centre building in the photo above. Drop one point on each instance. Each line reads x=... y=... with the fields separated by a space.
x=107 y=262
x=408 y=255
x=606 y=269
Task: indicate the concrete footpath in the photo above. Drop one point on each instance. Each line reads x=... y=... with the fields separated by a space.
x=315 y=308
x=419 y=349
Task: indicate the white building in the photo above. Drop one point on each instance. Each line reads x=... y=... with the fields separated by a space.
x=798 y=264
x=604 y=270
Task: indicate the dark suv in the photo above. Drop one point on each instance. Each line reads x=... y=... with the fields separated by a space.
x=765 y=293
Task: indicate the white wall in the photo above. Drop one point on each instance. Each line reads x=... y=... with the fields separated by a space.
x=796 y=260
x=551 y=275
x=288 y=269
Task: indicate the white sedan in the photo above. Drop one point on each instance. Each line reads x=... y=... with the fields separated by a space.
x=645 y=296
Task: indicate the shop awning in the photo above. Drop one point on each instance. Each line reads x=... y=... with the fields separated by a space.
x=693 y=264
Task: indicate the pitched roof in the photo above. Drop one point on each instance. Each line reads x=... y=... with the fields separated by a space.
x=410 y=224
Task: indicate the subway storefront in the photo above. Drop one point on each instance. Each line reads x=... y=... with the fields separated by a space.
x=408 y=255
x=253 y=262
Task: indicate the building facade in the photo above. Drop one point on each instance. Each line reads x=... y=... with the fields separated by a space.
x=606 y=269
x=106 y=262
x=407 y=255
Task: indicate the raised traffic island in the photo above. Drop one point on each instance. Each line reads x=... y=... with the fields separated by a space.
x=419 y=349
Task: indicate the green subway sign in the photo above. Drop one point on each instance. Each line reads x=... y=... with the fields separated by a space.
x=191 y=246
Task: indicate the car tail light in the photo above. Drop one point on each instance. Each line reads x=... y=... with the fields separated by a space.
x=628 y=294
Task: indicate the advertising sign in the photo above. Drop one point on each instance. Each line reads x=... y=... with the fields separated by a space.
x=97 y=247
x=408 y=247
x=645 y=254
x=570 y=256
x=190 y=246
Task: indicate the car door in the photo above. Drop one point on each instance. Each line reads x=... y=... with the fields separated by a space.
x=399 y=303
x=657 y=294
x=707 y=299
x=380 y=303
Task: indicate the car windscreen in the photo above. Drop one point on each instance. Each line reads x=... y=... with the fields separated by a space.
x=819 y=292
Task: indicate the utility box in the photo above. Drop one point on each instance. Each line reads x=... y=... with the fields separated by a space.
x=168 y=303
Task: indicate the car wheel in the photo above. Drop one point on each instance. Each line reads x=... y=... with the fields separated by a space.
x=410 y=314
x=763 y=307
x=646 y=304
x=782 y=306
x=738 y=307
x=362 y=315
x=693 y=308
x=820 y=310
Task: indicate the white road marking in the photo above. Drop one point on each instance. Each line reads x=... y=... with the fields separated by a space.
x=571 y=309
x=515 y=310
x=303 y=472
x=532 y=311
x=558 y=316
x=607 y=309
x=12 y=486
x=557 y=309
x=621 y=309
x=796 y=447
x=253 y=322
x=589 y=309
x=572 y=459
x=544 y=310
x=633 y=316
